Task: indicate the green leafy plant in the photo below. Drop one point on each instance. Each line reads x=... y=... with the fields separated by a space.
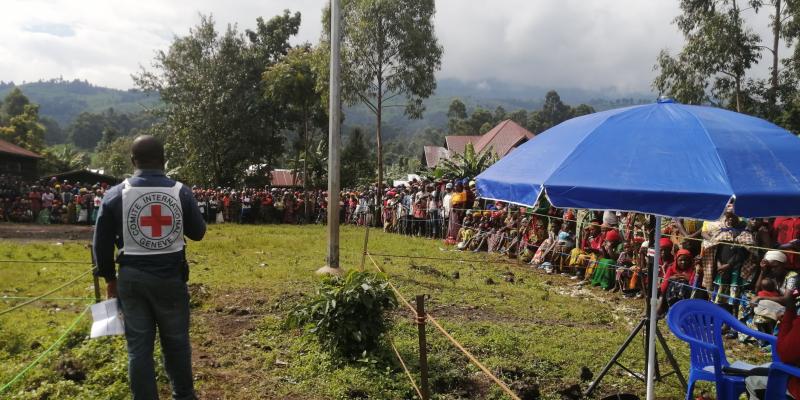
x=348 y=314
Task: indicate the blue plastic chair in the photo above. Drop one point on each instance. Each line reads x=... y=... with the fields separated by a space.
x=699 y=323
x=779 y=374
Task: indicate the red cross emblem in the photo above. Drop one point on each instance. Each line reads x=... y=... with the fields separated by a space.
x=155 y=220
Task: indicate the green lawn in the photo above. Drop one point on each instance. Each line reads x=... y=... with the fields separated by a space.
x=535 y=333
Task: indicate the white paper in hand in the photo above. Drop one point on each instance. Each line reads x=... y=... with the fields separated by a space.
x=107 y=319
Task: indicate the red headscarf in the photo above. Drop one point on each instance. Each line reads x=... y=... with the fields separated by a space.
x=674 y=269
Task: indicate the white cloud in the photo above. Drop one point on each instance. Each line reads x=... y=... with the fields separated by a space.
x=554 y=43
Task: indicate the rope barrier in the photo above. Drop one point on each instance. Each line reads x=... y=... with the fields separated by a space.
x=41 y=356
x=37 y=298
x=473 y=359
x=40 y=262
x=394 y=289
x=408 y=373
x=46 y=298
x=458 y=345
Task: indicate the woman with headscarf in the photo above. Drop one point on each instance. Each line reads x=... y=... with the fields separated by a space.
x=676 y=283
x=604 y=273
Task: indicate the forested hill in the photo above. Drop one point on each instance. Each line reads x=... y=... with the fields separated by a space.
x=64 y=100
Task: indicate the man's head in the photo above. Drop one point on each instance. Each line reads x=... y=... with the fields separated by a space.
x=147 y=153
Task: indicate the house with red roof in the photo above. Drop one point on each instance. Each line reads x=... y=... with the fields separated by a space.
x=17 y=161
x=501 y=140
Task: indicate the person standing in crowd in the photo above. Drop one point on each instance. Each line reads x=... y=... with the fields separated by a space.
x=458 y=202
x=151 y=283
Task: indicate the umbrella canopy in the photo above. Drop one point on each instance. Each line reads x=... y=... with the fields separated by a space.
x=664 y=158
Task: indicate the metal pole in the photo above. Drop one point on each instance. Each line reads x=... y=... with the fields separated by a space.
x=334 y=143
x=651 y=334
x=423 y=349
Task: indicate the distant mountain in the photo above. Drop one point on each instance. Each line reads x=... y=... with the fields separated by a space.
x=487 y=95
x=63 y=100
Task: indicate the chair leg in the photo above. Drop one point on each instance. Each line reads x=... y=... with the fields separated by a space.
x=690 y=389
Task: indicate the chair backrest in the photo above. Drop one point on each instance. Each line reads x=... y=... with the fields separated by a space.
x=701 y=321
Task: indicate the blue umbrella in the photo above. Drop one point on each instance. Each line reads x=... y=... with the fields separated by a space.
x=666 y=159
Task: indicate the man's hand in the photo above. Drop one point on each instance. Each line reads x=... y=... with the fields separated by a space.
x=111 y=289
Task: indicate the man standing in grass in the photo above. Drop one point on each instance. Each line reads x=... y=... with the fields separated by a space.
x=146 y=218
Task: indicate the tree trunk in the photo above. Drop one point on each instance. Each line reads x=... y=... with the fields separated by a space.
x=378 y=142
x=306 y=145
x=776 y=31
x=738 y=94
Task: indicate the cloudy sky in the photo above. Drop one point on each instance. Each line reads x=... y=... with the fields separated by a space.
x=588 y=44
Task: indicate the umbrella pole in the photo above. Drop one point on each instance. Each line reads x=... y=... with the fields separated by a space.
x=651 y=333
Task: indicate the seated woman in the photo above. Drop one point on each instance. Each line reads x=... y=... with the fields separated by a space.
x=605 y=273
x=582 y=260
x=624 y=263
x=546 y=249
x=564 y=245
x=676 y=284
x=465 y=234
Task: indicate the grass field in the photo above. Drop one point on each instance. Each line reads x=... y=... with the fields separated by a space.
x=535 y=333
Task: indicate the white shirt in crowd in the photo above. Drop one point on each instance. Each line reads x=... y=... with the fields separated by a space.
x=446 y=205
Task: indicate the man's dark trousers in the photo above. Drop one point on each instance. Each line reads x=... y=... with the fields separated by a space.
x=148 y=302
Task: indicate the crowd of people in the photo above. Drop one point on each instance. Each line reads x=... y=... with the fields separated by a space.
x=49 y=201
x=745 y=266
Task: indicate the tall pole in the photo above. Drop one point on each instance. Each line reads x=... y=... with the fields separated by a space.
x=651 y=332
x=334 y=143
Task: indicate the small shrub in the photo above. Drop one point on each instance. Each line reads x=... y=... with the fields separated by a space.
x=347 y=314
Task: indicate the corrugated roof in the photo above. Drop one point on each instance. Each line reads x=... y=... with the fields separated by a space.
x=285 y=178
x=457 y=144
x=503 y=137
x=434 y=154
x=10 y=148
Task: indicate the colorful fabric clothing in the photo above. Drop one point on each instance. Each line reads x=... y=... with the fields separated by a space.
x=603 y=274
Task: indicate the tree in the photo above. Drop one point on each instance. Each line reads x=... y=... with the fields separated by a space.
x=53 y=134
x=87 y=130
x=24 y=129
x=477 y=121
x=467 y=164
x=115 y=156
x=520 y=117
x=457 y=110
x=719 y=51
x=14 y=104
x=389 y=50
x=582 y=109
x=292 y=85
x=216 y=119
x=553 y=112
x=357 y=168
x=499 y=114
x=63 y=158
